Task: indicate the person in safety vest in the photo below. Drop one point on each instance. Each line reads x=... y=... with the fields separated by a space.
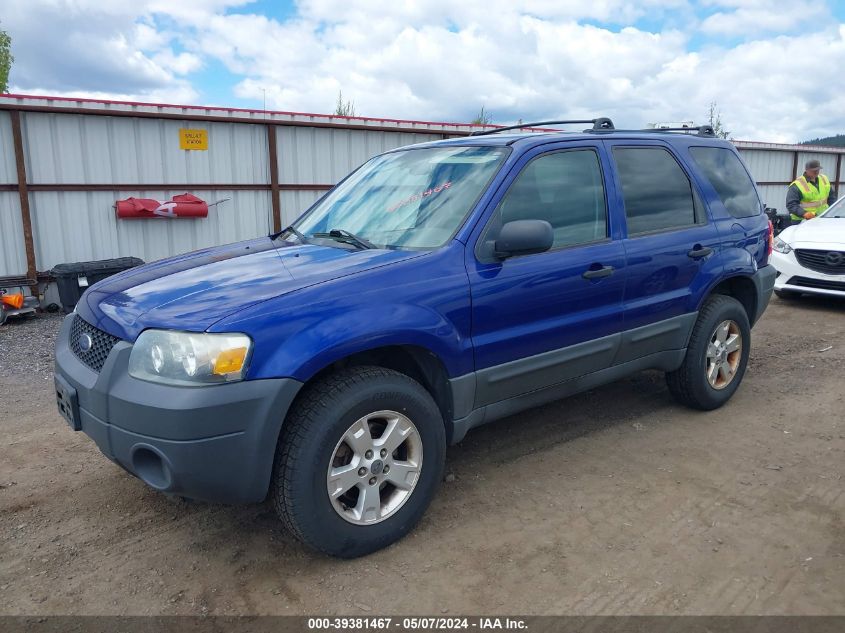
x=809 y=195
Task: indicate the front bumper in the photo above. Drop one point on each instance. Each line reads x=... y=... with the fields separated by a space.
x=215 y=443
x=794 y=277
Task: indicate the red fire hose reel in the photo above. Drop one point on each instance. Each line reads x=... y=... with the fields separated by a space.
x=181 y=206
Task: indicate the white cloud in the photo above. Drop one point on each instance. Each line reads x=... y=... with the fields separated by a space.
x=443 y=60
x=105 y=48
x=519 y=66
x=180 y=64
x=177 y=93
x=754 y=17
x=487 y=12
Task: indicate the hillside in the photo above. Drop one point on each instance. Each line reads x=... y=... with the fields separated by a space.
x=835 y=141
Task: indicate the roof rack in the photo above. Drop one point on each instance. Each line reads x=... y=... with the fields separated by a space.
x=601 y=123
x=700 y=130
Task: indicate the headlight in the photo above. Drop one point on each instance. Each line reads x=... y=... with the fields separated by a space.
x=185 y=358
x=781 y=247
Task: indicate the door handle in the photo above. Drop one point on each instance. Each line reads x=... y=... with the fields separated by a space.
x=699 y=251
x=597 y=273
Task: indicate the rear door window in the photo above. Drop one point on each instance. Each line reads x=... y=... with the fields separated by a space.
x=730 y=180
x=657 y=193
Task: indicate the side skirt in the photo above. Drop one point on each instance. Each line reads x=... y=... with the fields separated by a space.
x=668 y=360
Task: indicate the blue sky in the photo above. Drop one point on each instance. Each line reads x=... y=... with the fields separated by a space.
x=640 y=61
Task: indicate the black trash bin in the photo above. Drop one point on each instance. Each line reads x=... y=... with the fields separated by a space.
x=74 y=279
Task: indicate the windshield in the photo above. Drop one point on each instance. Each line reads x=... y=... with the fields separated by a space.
x=836 y=210
x=415 y=198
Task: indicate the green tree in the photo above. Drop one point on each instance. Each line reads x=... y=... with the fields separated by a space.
x=482 y=118
x=344 y=108
x=836 y=141
x=714 y=118
x=6 y=60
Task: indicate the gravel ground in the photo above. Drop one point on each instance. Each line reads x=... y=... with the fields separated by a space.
x=613 y=502
x=26 y=346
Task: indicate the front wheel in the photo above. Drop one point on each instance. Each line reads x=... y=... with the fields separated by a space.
x=359 y=460
x=716 y=357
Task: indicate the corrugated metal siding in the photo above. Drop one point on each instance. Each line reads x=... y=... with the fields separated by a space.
x=81 y=226
x=828 y=162
x=773 y=195
x=8 y=169
x=78 y=149
x=260 y=116
x=822 y=149
x=12 y=252
x=83 y=149
x=769 y=166
x=772 y=164
x=295 y=202
x=322 y=156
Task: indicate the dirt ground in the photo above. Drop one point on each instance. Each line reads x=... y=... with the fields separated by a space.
x=617 y=501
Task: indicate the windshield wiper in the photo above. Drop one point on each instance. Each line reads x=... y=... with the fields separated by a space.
x=292 y=229
x=342 y=235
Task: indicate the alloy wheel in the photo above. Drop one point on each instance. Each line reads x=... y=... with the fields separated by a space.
x=374 y=467
x=724 y=353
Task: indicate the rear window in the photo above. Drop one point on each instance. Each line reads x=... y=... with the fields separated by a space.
x=730 y=180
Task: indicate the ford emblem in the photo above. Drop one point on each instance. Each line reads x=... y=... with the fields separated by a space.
x=85 y=342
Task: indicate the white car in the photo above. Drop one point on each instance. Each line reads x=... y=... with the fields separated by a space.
x=810 y=257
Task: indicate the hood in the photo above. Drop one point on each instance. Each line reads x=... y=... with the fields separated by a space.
x=193 y=291
x=821 y=233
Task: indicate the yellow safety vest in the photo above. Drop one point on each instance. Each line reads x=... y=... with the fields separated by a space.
x=813 y=198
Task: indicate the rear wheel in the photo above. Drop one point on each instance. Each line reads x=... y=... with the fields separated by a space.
x=359 y=460
x=716 y=357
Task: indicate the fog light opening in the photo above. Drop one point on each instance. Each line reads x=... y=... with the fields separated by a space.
x=151 y=468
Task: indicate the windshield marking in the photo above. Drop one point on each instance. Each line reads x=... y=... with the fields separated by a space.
x=419 y=196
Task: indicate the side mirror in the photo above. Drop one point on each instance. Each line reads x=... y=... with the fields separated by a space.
x=523 y=237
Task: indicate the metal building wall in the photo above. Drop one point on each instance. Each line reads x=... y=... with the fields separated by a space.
x=310 y=155
x=74 y=149
x=12 y=253
x=775 y=166
x=322 y=157
x=295 y=202
x=82 y=155
x=768 y=166
x=70 y=226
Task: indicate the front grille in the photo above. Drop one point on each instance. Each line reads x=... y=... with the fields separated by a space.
x=101 y=343
x=822 y=284
x=830 y=262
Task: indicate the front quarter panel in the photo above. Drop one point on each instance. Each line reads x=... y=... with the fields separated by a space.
x=422 y=302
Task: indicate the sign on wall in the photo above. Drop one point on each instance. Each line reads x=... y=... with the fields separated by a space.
x=193 y=139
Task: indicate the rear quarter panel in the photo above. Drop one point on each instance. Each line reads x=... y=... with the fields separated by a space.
x=744 y=241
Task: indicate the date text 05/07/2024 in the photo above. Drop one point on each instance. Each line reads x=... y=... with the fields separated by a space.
x=415 y=623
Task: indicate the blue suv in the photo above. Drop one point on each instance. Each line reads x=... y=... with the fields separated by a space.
x=436 y=288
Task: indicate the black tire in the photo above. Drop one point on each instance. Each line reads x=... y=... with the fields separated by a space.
x=689 y=384
x=787 y=295
x=314 y=428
